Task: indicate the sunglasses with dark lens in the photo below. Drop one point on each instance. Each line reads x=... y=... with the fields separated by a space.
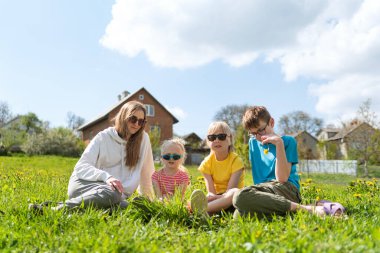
x=133 y=119
x=212 y=137
x=171 y=156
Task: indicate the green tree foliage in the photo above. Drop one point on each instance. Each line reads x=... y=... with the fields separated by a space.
x=155 y=137
x=232 y=115
x=375 y=148
x=16 y=131
x=331 y=149
x=297 y=121
x=57 y=141
x=30 y=123
x=241 y=146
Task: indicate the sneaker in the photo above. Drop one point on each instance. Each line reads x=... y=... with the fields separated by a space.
x=36 y=208
x=198 y=202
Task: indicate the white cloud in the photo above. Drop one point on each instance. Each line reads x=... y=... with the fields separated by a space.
x=341 y=98
x=178 y=112
x=337 y=41
x=186 y=34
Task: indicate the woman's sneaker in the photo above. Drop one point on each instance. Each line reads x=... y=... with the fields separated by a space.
x=36 y=208
x=198 y=202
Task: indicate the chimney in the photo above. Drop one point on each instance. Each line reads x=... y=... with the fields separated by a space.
x=119 y=97
x=125 y=93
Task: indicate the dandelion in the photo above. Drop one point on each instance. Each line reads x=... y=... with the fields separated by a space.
x=258 y=233
x=357 y=195
x=309 y=180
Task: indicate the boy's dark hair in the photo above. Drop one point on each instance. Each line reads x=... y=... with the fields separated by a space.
x=253 y=115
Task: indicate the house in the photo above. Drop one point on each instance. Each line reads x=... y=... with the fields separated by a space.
x=307 y=145
x=195 y=152
x=158 y=117
x=340 y=141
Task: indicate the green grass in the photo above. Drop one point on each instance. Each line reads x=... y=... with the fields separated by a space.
x=169 y=228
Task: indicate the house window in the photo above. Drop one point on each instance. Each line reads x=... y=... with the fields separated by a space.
x=141 y=97
x=149 y=110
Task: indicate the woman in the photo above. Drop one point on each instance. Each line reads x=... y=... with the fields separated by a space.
x=115 y=163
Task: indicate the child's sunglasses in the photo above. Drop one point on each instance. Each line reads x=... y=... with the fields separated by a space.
x=212 y=137
x=171 y=156
x=133 y=119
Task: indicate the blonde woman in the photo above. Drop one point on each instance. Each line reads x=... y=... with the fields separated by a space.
x=117 y=161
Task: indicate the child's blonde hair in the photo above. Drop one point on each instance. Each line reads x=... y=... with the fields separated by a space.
x=180 y=143
x=223 y=126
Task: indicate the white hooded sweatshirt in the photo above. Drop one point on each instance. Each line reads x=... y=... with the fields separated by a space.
x=105 y=157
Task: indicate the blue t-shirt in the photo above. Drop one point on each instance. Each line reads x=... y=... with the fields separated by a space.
x=264 y=163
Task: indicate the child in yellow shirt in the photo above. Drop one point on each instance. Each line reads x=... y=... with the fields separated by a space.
x=223 y=171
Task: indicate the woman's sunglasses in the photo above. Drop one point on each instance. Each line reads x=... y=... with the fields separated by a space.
x=133 y=119
x=171 y=156
x=212 y=137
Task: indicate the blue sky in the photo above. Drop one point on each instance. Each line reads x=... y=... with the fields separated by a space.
x=195 y=57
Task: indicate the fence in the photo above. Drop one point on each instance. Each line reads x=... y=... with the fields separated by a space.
x=328 y=166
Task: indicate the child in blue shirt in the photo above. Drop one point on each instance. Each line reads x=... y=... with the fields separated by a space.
x=276 y=188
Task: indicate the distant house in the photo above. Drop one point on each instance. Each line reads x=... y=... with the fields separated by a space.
x=194 y=149
x=344 y=139
x=307 y=145
x=157 y=116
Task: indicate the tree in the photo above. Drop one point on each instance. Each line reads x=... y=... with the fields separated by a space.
x=5 y=113
x=366 y=115
x=74 y=121
x=17 y=131
x=31 y=123
x=57 y=141
x=297 y=121
x=155 y=137
x=232 y=115
x=363 y=144
x=241 y=146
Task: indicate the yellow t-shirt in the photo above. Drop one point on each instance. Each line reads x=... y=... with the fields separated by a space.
x=221 y=171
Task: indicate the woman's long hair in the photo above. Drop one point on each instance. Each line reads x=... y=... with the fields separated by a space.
x=132 y=148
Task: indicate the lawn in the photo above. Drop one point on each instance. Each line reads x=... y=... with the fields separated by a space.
x=169 y=228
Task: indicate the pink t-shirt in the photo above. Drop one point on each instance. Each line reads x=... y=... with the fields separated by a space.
x=168 y=184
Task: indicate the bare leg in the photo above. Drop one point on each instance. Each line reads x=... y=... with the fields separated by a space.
x=223 y=202
x=317 y=210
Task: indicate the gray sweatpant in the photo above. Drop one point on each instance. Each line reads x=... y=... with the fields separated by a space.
x=97 y=194
x=266 y=199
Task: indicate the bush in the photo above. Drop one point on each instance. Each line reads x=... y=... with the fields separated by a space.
x=57 y=141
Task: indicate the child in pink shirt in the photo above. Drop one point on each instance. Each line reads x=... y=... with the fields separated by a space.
x=172 y=176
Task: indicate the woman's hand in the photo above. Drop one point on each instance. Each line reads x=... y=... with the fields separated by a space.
x=115 y=184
